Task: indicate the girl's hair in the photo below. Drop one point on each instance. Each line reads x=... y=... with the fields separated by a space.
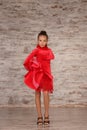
x=44 y=33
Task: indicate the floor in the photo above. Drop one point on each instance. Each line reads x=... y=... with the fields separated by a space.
x=61 y=119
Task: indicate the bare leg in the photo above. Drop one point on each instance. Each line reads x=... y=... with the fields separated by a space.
x=46 y=103
x=38 y=103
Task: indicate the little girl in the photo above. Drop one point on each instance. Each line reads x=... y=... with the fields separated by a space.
x=39 y=75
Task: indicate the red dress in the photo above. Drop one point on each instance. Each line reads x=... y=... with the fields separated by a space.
x=39 y=75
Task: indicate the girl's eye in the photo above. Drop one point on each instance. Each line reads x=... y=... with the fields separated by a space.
x=44 y=40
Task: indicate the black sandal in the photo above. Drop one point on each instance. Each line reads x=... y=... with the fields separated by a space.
x=39 y=120
x=46 y=120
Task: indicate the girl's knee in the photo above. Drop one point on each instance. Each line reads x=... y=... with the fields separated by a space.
x=37 y=93
x=46 y=92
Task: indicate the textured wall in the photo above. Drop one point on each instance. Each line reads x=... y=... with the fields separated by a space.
x=66 y=24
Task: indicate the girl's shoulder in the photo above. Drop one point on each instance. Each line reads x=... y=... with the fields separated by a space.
x=35 y=50
x=49 y=49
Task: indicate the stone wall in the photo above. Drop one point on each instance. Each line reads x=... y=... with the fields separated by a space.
x=66 y=24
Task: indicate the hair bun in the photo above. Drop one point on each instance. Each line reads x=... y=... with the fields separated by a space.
x=43 y=32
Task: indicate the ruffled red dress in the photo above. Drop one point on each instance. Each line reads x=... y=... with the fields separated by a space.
x=39 y=75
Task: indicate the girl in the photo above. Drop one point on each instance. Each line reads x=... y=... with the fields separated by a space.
x=39 y=75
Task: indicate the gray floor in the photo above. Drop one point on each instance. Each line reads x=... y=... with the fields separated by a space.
x=61 y=119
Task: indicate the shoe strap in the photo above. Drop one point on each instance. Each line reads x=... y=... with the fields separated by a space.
x=40 y=118
x=47 y=117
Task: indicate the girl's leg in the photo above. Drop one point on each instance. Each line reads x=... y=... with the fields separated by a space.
x=38 y=103
x=46 y=103
x=46 y=106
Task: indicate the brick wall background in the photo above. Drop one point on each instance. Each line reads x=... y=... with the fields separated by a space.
x=66 y=24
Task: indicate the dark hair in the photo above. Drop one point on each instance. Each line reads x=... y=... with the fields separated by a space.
x=43 y=33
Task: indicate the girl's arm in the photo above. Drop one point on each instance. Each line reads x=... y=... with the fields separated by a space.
x=49 y=55
x=28 y=60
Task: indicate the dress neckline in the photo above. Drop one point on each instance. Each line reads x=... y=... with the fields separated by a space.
x=43 y=48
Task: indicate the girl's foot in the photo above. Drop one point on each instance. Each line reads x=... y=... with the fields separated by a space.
x=39 y=120
x=46 y=120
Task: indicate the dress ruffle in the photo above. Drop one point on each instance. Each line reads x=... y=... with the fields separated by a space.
x=34 y=76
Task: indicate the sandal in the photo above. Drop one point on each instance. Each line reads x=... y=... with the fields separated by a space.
x=39 y=120
x=46 y=120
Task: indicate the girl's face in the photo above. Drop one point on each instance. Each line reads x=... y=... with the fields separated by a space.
x=42 y=41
